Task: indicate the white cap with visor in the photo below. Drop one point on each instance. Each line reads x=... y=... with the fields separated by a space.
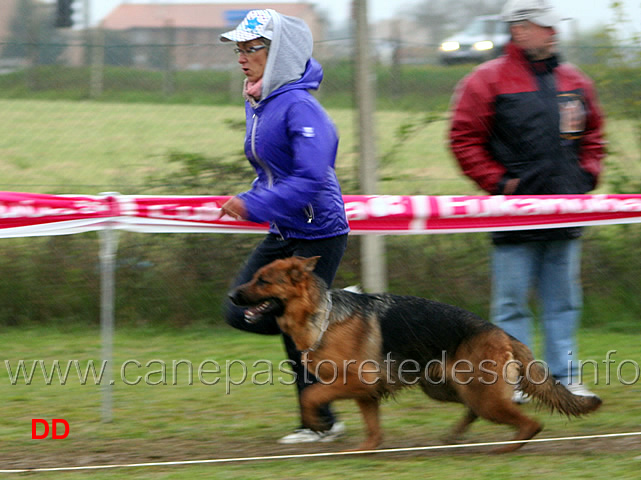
x=535 y=11
x=256 y=24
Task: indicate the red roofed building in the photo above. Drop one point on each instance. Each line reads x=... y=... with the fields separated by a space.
x=192 y=29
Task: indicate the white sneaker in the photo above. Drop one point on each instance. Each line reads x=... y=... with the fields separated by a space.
x=520 y=397
x=580 y=390
x=306 y=435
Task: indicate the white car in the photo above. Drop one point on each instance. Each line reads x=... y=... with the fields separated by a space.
x=483 y=39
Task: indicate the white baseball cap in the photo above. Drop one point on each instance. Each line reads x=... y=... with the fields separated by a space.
x=256 y=24
x=535 y=11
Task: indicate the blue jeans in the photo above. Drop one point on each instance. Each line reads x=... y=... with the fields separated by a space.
x=553 y=268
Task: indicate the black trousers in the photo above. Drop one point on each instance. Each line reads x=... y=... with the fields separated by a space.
x=272 y=248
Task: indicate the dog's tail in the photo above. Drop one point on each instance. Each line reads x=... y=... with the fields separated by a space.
x=536 y=382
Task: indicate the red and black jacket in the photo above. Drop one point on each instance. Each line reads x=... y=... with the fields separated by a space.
x=539 y=122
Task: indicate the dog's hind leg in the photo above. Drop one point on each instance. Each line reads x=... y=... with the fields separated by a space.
x=505 y=412
x=461 y=427
x=494 y=403
x=490 y=396
x=527 y=428
x=369 y=410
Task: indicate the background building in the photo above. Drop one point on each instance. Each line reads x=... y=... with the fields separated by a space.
x=192 y=29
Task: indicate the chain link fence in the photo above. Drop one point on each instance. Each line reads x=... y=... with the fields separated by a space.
x=159 y=62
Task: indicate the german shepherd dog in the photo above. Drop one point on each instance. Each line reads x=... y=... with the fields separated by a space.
x=367 y=346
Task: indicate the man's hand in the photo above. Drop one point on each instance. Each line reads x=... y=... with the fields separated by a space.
x=235 y=208
x=510 y=186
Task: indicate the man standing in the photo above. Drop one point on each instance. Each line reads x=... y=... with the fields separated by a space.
x=527 y=124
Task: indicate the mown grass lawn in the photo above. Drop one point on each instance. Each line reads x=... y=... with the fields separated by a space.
x=243 y=416
x=88 y=148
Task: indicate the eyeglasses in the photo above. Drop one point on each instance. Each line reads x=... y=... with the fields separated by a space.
x=249 y=51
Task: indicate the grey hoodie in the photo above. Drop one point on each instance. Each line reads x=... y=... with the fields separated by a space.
x=291 y=48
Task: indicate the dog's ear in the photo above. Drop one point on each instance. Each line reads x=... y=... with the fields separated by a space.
x=310 y=263
x=306 y=265
x=295 y=274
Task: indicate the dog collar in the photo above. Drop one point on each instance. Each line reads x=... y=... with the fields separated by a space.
x=324 y=325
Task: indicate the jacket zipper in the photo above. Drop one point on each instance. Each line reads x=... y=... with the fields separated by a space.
x=270 y=176
x=268 y=172
x=309 y=211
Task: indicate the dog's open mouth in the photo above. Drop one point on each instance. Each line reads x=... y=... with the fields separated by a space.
x=269 y=306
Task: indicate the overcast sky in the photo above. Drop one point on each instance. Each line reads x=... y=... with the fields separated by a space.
x=587 y=14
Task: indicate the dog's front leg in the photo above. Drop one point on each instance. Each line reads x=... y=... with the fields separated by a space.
x=311 y=399
x=369 y=410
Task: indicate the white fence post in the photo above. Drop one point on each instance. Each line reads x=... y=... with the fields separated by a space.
x=108 y=249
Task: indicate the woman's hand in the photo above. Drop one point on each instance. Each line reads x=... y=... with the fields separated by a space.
x=235 y=208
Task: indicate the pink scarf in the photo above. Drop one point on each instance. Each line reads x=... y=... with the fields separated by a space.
x=253 y=89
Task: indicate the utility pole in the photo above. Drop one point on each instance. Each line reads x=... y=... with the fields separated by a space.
x=169 y=81
x=94 y=51
x=32 y=39
x=373 y=265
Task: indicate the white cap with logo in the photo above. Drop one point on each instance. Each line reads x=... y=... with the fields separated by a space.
x=535 y=11
x=256 y=24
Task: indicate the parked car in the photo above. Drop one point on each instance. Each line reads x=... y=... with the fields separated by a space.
x=483 y=39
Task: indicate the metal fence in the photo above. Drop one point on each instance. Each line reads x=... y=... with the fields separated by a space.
x=113 y=58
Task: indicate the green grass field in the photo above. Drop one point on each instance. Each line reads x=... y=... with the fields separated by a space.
x=87 y=148
x=186 y=420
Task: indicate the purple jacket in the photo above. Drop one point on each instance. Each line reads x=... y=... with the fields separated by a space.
x=291 y=142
